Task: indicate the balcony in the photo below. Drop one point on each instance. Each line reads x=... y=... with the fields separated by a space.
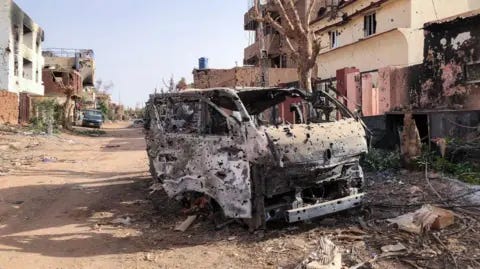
x=249 y=22
x=252 y=53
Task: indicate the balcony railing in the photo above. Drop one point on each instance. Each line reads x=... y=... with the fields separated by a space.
x=62 y=52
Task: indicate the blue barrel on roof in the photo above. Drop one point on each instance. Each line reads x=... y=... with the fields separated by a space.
x=203 y=63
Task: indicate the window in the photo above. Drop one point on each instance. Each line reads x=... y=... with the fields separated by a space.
x=333 y=39
x=27 y=69
x=370 y=24
x=27 y=37
x=182 y=117
x=472 y=72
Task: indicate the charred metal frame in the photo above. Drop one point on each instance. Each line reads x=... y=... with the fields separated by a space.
x=257 y=173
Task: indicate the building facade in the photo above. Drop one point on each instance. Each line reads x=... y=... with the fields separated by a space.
x=451 y=68
x=81 y=60
x=238 y=77
x=21 y=60
x=275 y=49
x=372 y=34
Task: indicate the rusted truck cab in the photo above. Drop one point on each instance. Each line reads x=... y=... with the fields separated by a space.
x=260 y=154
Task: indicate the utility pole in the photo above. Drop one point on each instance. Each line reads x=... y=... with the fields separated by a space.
x=263 y=48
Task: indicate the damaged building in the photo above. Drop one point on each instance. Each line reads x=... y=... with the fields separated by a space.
x=442 y=92
x=238 y=77
x=21 y=65
x=451 y=69
x=73 y=71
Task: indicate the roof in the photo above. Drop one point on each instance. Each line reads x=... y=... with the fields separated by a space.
x=458 y=17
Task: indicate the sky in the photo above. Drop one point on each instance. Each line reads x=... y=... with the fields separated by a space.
x=138 y=44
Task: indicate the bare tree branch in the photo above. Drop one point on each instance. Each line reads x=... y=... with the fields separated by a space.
x=291 y=47
x=310 y=10
x=296 y=16
x=284 y=15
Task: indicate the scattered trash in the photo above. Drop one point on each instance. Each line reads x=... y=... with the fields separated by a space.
x=426 y=218
x=156 y=187
x=111 y=146
x=123 y=220
x=150 y=257
x=231 y=238
x=326 y=256
x=393 y=248
x=48 y=159
x=182 y=227
x=414 y=189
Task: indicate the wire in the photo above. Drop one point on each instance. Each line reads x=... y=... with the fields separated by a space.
x=463 y=126
x=435 y=9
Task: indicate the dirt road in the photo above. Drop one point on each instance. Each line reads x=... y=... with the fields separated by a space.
x=72 y=201
x=83 y=203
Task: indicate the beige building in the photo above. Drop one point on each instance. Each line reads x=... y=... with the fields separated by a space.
x=372 y=34
x=81 y=60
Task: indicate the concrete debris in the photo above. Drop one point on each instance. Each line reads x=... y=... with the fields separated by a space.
x=156 y=187
x=48 y=159
x=182 y=227
x=326 y=256
x=426 y=218
x=393 y=248
x=126 y=221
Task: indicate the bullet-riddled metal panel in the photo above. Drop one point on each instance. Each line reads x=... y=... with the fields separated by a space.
x=324 y=143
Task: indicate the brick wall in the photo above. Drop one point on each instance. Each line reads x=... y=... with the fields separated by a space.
x=69 y=78
x=241 y=77
x=8 y=107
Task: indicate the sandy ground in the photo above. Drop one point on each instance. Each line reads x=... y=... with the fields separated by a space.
x=72 y=201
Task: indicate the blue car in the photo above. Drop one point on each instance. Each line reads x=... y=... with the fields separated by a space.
x=92 y=118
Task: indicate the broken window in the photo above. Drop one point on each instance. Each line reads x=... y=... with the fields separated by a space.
x=370 y=24
x=333 y=39
x=183 y=117
x=292 y=106
x=214 y=122
x=27 y=69
x=27 y=37
x=472 y=72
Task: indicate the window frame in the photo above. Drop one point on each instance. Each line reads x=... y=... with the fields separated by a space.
x=333 y=39
x=466 y=78
x=370 y=24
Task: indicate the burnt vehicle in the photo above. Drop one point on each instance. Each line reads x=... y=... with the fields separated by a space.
x=259 y=154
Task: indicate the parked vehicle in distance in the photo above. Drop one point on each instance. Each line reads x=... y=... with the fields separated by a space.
x=138 y=123
x=257 y=154
x=92 y=118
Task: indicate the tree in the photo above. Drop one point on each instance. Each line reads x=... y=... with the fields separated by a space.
x=297 y=32
x=103 y=87
x=68 y=107
x=182 y=84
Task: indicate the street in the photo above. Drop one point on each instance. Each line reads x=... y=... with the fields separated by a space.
x=87 y=204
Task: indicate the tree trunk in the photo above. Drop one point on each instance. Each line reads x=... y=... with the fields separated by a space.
x=67 y=107
x=305 y=77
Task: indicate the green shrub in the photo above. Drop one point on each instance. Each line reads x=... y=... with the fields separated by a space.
x=381 y=160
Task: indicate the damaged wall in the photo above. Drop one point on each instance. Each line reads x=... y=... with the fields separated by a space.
x=451 y=77
x=56 y=82
x=241 y=77
x=21 y=61
x=9 y=107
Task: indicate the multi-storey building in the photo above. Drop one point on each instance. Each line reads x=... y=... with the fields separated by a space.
x=372 y=34
x=21 y=61
x=274 y=48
